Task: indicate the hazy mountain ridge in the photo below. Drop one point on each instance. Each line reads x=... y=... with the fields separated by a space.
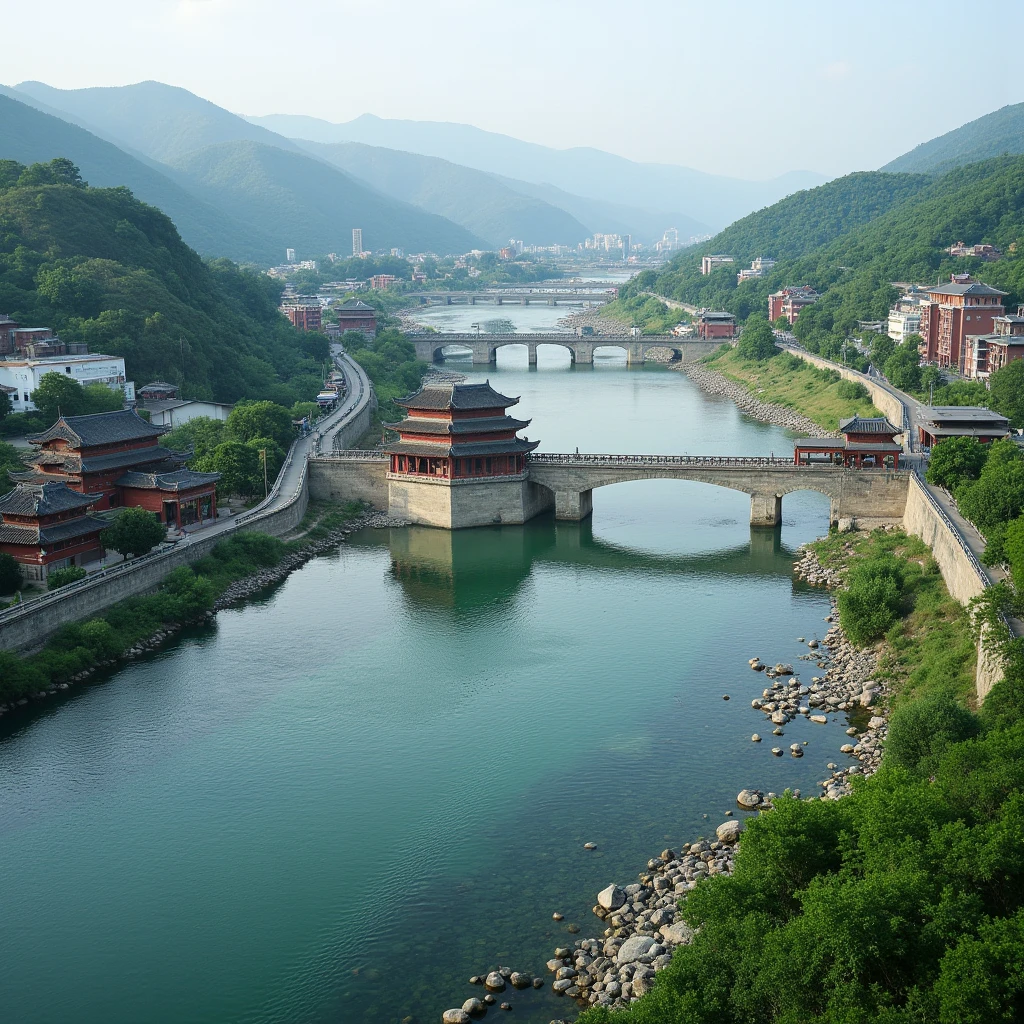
x=998 y=133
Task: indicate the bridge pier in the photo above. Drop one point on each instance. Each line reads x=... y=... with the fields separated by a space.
x=582 y=352
x=635 y=353
x=573 y=505
x=531 y=354
x=484 y=354
x=765 y=509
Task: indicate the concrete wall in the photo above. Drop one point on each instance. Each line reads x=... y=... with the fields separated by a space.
x=458 y=504
x=349 y=480
x=353 y=430
x=883 y=400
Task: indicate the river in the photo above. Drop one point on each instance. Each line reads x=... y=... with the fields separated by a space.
x=338 y=802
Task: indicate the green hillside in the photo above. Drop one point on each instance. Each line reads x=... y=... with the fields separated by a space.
x=474 y=199
x=306 y=204
x=106 y=269
x=981 y=202
x=997 y=134
x=31 y=136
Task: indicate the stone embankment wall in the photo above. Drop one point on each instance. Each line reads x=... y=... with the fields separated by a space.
x=343 y=480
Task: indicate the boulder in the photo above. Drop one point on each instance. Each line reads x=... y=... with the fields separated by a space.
x=520 y=980
x=473 y=1005
x=678 y=933
x=495 y=982
x=455 y=1017
x=820 y=719
x=611 y=898
x=634 y=948
x=749 y=798
x=728 y=832
x=876 y=722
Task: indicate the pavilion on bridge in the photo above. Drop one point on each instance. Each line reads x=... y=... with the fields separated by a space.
x=866 y=440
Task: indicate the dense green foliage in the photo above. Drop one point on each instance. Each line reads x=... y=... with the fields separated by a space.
x=645 y=311
x=9 y=460
x=59 y=394
x=757 y=340
x=995 y=134
x=106 y=270
x=903 y=367
x=134 y=532
x=997 y=496
x=900 y=904
x=10 y=574
x=1007 y=392
x=62 y=577
x=870 y=604
x=390 y=362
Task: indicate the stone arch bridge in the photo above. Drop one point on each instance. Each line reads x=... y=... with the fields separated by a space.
x=566 y=483
x=485 y=347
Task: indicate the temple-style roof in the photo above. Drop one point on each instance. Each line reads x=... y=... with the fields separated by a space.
x=98 y=429
x=80 y=526
x=440 y=397
x=972 y=288
x=868 y=425
x=475 y=425
x=176 y=480
x=44 y=500
x=355 y=305
x=72 y=463
x=445 y=449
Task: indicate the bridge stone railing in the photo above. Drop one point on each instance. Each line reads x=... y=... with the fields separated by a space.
x=725 y=461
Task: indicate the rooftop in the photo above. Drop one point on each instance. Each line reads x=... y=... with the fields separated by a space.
x=99 y=428
x=356 y=304
x=51 y=360
x=474 y=425
x=441 y=397
x=177 y=480
x=974 y=288
x=946 y=414
x=44 y=500
x=868 y=425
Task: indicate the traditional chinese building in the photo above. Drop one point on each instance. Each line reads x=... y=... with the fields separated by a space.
x=866 y=441
x=942 y=421
x=356 y=315
x=713 y=324
x=458 y=460
x=48 y=526
x=116 y=458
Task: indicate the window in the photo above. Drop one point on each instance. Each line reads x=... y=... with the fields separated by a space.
x=67 y=369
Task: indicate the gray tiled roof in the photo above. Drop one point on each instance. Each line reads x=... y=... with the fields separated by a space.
x=443 y=449
x=99 y=428
x=81 y=526
x=475 y=425
x=44 y=499
x=868 y=425
x=177 y=480
x=974 y=288
x=440 y=397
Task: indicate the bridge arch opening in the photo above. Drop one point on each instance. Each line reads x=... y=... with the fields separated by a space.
x=611 y=353
x=444 y=352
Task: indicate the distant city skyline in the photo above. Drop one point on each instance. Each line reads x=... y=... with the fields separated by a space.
x=748 y=90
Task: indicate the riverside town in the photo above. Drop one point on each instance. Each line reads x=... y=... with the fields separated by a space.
x=473 y=548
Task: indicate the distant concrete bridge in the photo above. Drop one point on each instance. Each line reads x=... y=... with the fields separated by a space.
x=578 y=296
x=566 y=483
x=430 y=348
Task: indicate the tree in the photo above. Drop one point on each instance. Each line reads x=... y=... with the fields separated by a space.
x=882 y=347
x=997 y=496
x=274 y=457
x=201 y=434
x=1013 y=551
x=62 y=577
x=903 y=368
x=757 y=340
x=261 y=419
x=10 y=574
x=59 y=394
x=239 y=468
x=1007 y=391
x=955 y=460
x=134 y=532
x=931 y=377
x=783 y=324
x=5 y=405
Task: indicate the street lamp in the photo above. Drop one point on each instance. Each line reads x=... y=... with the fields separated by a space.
x=263 y=459
x=476 y=327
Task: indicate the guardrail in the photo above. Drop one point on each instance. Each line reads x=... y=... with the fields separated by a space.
x=355 y=455
x=953 y=528
x=546 y=459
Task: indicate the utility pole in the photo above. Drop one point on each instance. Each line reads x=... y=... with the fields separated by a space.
x=263 y=459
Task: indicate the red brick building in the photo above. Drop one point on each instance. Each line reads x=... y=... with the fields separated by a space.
x=305 y=318
x=115 y=458
x=381 y=281
x=455 y=431
x=713 y=324
x=47 y=526
x=953 y=311
x=356 y=315
x=984 y=354
x=789 y=301
x=867 y=440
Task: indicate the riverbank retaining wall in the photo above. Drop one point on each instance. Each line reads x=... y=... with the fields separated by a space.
x=349 y=479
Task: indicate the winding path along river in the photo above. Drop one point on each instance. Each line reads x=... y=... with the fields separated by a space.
x=338 y=802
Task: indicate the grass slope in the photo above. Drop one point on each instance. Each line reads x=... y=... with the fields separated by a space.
x=307 y=204
x=474 y=199
x=995 y=134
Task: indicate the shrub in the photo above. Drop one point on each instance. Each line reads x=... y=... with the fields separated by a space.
x=10 y=574
x=134 y=532
x=955 y=460
x=871 y=603
x=757 y=340
x=62 y=577
x=851 y=389
x=923 y=729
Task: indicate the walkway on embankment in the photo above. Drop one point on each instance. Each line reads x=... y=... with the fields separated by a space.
x=26 y=625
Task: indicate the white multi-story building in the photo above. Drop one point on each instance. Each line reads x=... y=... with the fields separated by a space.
x=904 y=320
x=289 y=255
x=24 y=375
x=357 y=241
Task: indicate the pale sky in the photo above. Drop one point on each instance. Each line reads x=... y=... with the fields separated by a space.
x=736 y=87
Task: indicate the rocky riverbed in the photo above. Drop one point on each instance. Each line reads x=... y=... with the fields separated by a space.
x=643 y=924
x=715 y=383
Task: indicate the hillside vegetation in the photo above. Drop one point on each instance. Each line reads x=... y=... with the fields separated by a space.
x=996 y=134
x=112 y=272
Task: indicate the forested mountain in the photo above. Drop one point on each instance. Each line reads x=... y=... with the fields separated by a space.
x=307 y=204
x=477 y=201
x=161 y=121
x=110 y=271
x=707 y=198
x=285 y=197
x=30 y=136
x=996 y=134
x=981 y=202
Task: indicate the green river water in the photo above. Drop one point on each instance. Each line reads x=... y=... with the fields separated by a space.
x=340 y=801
